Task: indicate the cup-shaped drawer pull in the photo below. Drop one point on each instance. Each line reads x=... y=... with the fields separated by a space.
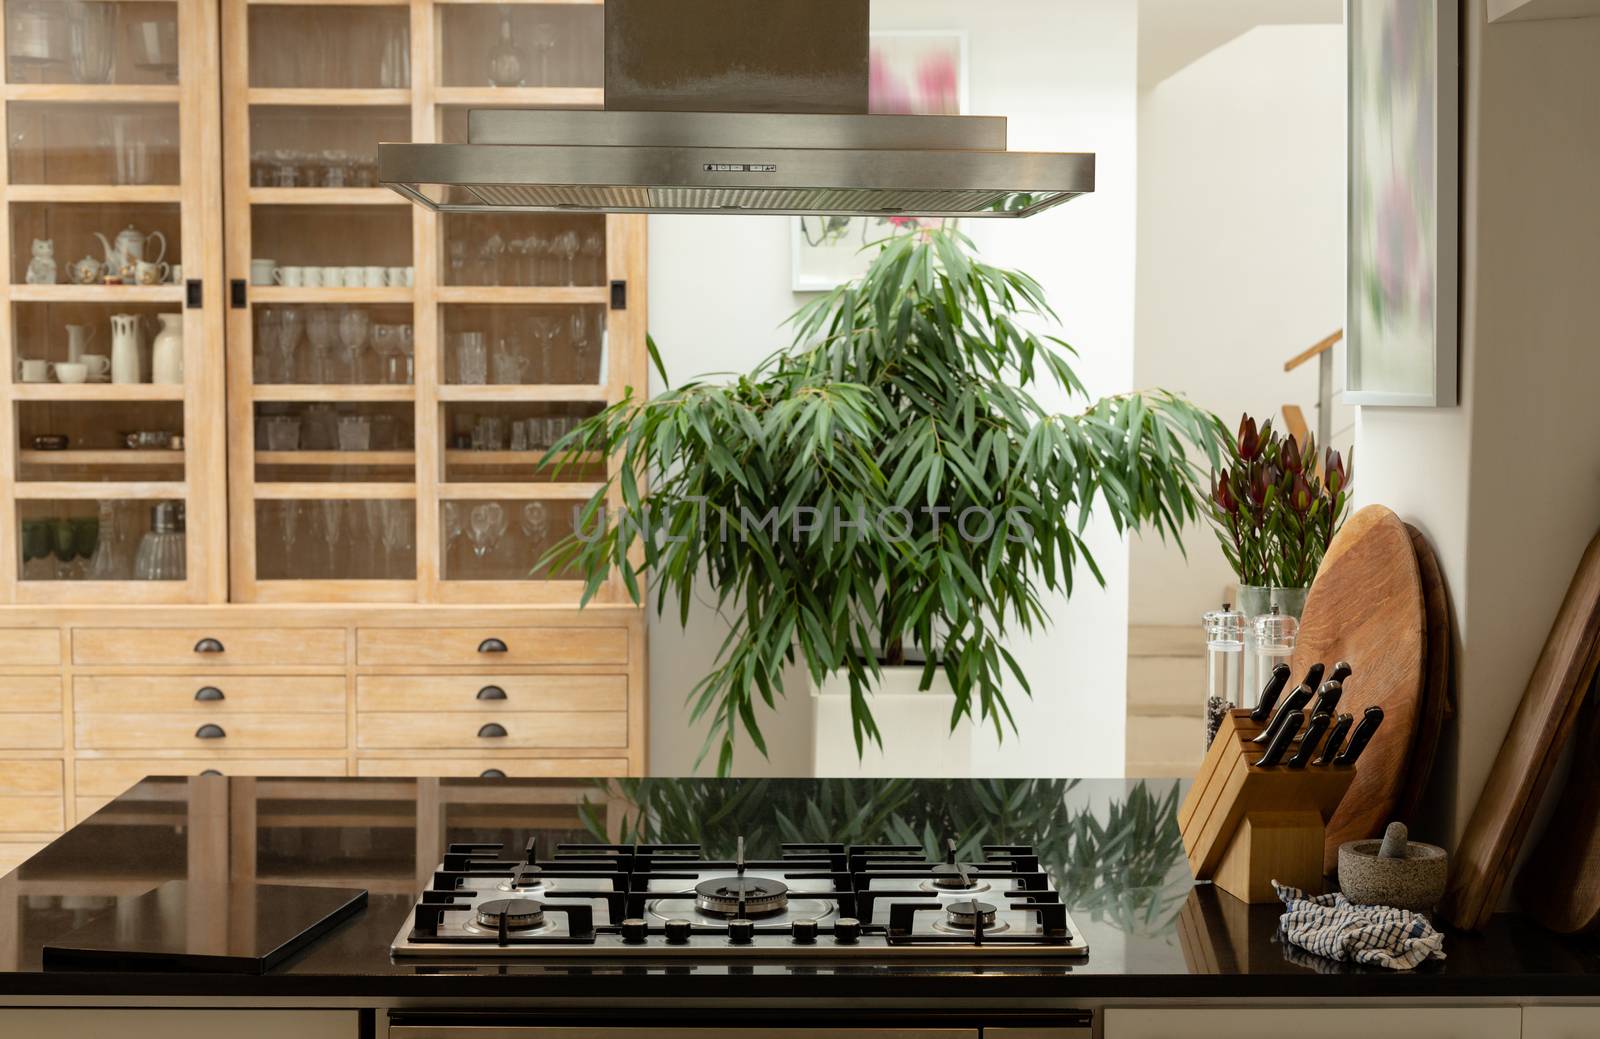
x=493 y=731
x=209 y=694
x=211 y=772
x=209 y=732
x=209 y=645
x=491 y=692
x=491 y=773
x=492 y=646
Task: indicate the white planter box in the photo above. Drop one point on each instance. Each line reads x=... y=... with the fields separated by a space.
x=917 y=741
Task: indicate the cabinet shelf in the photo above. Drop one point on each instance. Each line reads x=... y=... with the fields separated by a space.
x=523 y=97
x=329 y=96
x=529 y=458
x=96 y=392
x=109 y=93
x=336 y=458
x=126 y=194
x=574 y=394
x=325 y=197
x=342 y=491
x=285 y=294
x=518 y=491
x=94 y=490
x=556 y=295
x=91 y=457
x=336 y=394
x=97 y=293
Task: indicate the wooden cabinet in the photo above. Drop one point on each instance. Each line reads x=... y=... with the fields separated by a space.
x=161 y=1024
x=1560 y=1022
x=306 y=536
x=1321 y=1023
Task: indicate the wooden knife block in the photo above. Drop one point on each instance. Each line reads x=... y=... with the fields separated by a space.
x=1244 y=827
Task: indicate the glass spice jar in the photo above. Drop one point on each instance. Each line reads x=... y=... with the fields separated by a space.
x=1224 y=630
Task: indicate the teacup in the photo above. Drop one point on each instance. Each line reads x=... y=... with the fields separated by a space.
x=146 y=272
x=176 y=274
x=373 y=277
x=411 y=276
x=353 y=277
x=33 y=371
x=396 y=277
x=98 y=366
x=261 y=271
x=72 y=374
x=290 y=277
x=333 y=277
x=313 y=277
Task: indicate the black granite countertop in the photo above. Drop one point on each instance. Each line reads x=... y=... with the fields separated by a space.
x=1112 y=846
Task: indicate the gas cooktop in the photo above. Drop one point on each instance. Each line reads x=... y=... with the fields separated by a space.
x=822 y=901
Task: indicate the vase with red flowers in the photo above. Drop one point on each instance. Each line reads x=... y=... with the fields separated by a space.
x=1275 y=512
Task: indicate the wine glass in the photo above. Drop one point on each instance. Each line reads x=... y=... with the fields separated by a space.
x=545 y=331
x=330 y=516
x=594 y=253
x=391 y=363
x=535 y=523
x=545 y=38
x=291 y=323
x=322 y=329
x=488 y=525
x=373 y=515
x=396 y=533
x=267 y=333
x=567 y=246
x=582 y=342
x=290 y=521
x=354 y=326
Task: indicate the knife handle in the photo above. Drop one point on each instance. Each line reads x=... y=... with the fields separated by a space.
x=1280 y=743
x=1361 y=737
x=1308 y=746
x=1341 y=671
x=1296 y=701
x=1341 y=728
x=1313 y=677
x=1328 y=697
x=1270 y=693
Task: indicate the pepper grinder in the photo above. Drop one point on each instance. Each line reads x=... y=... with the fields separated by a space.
x=1224 y=666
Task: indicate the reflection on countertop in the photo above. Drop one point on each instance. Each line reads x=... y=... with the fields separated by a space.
x=1111 y=845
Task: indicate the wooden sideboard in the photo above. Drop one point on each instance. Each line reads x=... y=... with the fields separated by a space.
x=94 y=699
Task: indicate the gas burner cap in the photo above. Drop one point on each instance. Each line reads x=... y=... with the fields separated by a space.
x=521 y=914
x=523 y=876
x=966 y=913
x=760 y=895
x=950 y=877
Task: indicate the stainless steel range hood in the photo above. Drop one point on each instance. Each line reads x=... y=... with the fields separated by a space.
x=735 y=106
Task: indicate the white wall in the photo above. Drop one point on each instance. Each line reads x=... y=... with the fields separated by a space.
x=1241 y=262
x=1508 y=483
x=719 y=288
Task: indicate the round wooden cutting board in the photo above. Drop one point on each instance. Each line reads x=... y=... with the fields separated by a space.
x=1366 y=606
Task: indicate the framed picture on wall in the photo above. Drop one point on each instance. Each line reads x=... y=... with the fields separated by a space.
x=1400 y=323
x=912 y=73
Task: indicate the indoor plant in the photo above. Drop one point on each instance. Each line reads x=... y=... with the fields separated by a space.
x=886 y=490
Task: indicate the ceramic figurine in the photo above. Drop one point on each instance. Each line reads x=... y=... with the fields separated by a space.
x=85 y=271
x=42 y=268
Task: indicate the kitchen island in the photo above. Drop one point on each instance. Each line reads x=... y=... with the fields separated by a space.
x=1166 y=956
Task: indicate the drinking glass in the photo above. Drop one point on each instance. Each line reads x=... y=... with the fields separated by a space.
x=519 y=436
x=355 y=433
x=488 y=525
x=490 y=258
x=289 y=523
x=545 y=39
x=546 y=330
x=567 y=249
x=354 y=326
x=536 y=522
x=267 y=331
x=489 y=434
x=508 y=366
x=582 y=342
x=391 y=362
x=407 y=336
x=108 y=562
x=291 y=323
x=453 y=525
x=396 y=532
x=322 y=329
x=283 y=433
x=594 y=254
x=92 y=41
x=329 y=517
x=472 y=359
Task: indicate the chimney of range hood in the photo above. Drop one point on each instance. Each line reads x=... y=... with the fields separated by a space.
x=735 y=106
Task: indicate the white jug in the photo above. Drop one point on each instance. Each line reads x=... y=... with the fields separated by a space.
x=78 y=339
x=125 y=349
x=166 y=365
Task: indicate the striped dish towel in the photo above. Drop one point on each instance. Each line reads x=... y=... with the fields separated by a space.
x=1335 y=927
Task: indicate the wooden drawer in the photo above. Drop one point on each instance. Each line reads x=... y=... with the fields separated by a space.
x=492 y=693
x=51 y=1023
x=108 y=777
x=30 y=797
x=31 y=731
x=469 y=647
x=182 y=646
x=34 y=693
x=30 y=647
x=514 y=768
x=460 y=730
x=142 y=731
x=207 y=695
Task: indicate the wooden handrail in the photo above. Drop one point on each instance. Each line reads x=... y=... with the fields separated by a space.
x=1316 y=350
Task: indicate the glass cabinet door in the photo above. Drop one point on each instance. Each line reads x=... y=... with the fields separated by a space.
x=322 y=331
x=110 y=369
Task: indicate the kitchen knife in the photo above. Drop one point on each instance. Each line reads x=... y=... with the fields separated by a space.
x=1313 y=677
x=1296 y=701
x=1341 y=671
x=1361 y=737
x=1335 y=739
x=1328 y=697
x=1270 y=693
x=1280 y=743
x=1308 y=745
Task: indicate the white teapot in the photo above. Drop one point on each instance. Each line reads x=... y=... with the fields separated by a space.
x=122 y=257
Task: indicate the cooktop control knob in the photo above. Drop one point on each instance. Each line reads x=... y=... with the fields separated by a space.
x=634 y=931
x=804 y=932
x=677 y=932
x=846 y=930
x=741 y=932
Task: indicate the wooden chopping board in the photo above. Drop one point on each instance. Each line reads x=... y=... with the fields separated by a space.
x=1545 y=718
x=1560 y=885
x=1437 y=706
x=1366 y=606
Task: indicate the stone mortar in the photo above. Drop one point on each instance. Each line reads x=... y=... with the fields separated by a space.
x=1415 y=882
